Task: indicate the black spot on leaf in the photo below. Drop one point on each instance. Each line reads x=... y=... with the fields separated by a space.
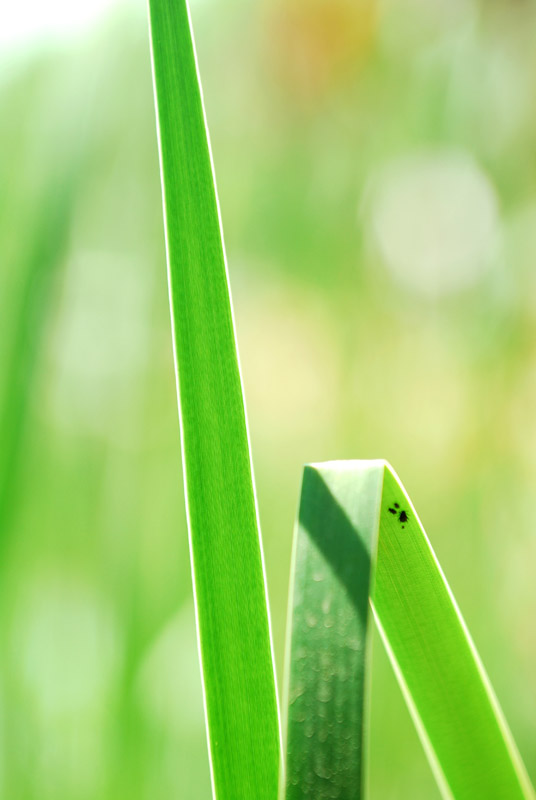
x=401 y=514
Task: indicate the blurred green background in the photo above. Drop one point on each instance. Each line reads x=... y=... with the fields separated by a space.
x=376 y=167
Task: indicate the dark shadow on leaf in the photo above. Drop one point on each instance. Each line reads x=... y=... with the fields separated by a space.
x=337 y=539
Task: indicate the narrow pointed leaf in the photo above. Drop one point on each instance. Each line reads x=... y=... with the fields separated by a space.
x=232 y=614
x=359 y=537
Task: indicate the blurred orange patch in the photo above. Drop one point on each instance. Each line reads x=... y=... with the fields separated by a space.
x=316 y=45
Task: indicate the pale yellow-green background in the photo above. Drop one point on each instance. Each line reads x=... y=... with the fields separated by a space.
x=376 y=166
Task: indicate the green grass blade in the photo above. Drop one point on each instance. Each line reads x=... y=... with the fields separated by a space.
x=358 y=536
x=231 y=606
x=25 y=315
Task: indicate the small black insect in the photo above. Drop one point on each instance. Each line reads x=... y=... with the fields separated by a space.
x=402 y=515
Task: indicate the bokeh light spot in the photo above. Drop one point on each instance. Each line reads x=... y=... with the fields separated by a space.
x=434 y=219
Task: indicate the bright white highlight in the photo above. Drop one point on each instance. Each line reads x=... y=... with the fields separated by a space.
x=434 y=219
x=27 y=22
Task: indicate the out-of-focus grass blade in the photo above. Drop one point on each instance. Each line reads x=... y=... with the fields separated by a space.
x=231 y=606
x=358 y=536
x=25 y=316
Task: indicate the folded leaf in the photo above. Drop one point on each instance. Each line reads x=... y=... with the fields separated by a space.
x=359 y=537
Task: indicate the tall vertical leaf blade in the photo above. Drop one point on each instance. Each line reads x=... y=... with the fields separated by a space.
x=358 y=536
x=232 y=614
